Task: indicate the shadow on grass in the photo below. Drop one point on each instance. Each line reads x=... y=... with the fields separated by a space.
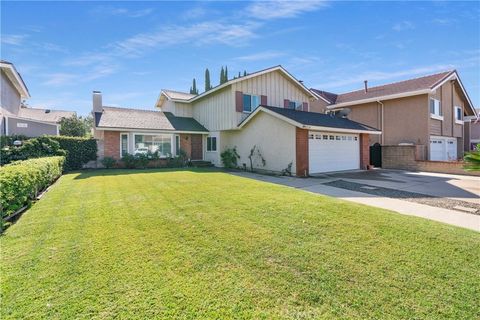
x=89 y=173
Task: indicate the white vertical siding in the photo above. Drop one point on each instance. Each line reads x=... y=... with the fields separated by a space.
x=183 y=109
x=217 y=111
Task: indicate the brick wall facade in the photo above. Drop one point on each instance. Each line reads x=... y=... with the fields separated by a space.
x=111 y=144
x=364 y=151
x=301 y=150
x=186 y=144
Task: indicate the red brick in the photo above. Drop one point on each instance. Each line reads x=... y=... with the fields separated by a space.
x=111 y=144
x=301 y=152
x=364 y=151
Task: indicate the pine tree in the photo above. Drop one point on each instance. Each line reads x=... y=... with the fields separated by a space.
x=208 y=86
x=244 y=73
x=222 y=76
x=239 y=74
x=226 y=74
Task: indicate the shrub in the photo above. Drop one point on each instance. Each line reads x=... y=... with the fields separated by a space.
x=129 y=161
x=179 y=161
x=79 y=150
x=32 y=148
x=230 y=157
x=141 y=160
x=6 y=141
x=21 y=181
x=472 y=160
x=108 y=162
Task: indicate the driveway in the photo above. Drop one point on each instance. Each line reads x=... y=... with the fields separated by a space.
x=452 y=199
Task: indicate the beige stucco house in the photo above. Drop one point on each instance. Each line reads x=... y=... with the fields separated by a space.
x=15 y=117
x=268 y=110
x=430 y=112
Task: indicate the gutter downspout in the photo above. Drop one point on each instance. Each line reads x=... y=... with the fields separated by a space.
x=382 y=121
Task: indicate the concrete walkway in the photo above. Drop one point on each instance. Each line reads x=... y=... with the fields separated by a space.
x=452 y=217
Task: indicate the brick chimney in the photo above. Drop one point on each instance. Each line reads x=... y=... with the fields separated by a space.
x=97 y=101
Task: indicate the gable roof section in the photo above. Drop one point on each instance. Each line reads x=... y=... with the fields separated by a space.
x=326 y=96
x=15 y=77
x=232 y=81
x=422 y=85
x=45 y=115
x=313 y=120
x=177 y=95
x=123 y=118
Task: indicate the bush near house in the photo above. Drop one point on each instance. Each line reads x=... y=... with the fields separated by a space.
x=79 y=150
x=32 y=148
x=472 y=160
x=21 y=181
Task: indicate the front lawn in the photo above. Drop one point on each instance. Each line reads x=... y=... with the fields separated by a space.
x=205 y=244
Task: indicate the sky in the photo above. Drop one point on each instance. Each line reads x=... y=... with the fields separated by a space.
x=132 y=50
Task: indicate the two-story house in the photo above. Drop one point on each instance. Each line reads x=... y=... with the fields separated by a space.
x=268 y=110
x=428 y=112
x=15 y=117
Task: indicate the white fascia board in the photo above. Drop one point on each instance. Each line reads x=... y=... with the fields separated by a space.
x=330 y=129
x=148 y=130
x=454 y=76
x=381 y=98
x=274 y=114
x=17 y=81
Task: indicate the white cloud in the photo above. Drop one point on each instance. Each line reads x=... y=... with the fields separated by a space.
x=71 y=78
x=443 y=21
x=59 y=79
x=194 y=13
x=113 y=11
x=276 y=9
x=13 y=39
x=265 y=55
x=403 y=25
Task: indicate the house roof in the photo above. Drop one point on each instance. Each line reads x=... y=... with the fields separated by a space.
x=421 y=85
x=248 y=76
x=177 y=95
x=313 y=120
x=15 y=78
x=45 y=115
x=123 y=118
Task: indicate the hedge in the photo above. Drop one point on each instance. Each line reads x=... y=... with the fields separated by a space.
x=79 y=150
x=32 y=148
x=21 y=181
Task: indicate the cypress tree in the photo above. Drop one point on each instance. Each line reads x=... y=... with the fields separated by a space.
x=244 y=73
x=226 y=74
x=222 y=76
x=208 y=86
x=194 y=87
x=239 y=74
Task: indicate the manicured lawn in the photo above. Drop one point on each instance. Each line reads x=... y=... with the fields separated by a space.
x=205 y=244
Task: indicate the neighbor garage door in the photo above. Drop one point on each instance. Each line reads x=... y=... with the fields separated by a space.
x=329 y=151
x=443 y=149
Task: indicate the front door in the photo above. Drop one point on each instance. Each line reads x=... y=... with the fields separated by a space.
x=197 y=149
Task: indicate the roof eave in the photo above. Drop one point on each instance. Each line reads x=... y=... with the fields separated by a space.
x=380 y=98
x=149 y=130
x=17 y=79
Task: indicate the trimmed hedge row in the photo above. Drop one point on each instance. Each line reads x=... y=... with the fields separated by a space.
x=21 y=181
x=79 y=150
x=32 y=148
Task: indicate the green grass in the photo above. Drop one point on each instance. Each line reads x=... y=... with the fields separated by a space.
x=206 y=244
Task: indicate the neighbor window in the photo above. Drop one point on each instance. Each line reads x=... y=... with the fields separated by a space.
x=161 y=143
x=124 y=144
x=177 y=145
x=435 y=107
x=458 y=113
x=211 y=143
x=295 y=105
x=250 y=102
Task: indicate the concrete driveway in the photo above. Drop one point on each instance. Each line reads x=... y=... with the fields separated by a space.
x=451 y=199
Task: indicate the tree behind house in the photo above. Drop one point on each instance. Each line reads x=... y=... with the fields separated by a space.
x=75 y=126
x=193 y=88
x=208 y=86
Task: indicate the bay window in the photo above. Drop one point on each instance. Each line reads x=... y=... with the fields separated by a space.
x=151 y=143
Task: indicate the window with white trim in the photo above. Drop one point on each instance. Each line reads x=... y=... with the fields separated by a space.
x=211 y=144
x=250 y=102
x=149 y=143
x=123 y=144
x=458 y=113
x=435 y=107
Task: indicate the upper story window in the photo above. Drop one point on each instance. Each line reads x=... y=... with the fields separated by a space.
x=435 y=107
x=458 y=113
x=250 y=102
x=295 y=105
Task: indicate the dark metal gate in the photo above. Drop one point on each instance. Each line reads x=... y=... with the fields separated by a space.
x=376 y=155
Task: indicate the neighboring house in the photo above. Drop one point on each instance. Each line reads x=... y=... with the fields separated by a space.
x=428 y=111
x=267 y=110
x=474 y=133
x=15 y=118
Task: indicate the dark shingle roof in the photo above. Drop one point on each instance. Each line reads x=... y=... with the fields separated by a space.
x=320 y=119
x=425 y=82
x=113 y=117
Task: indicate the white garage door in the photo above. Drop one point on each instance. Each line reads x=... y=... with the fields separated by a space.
x=329 y=151
x=443 y=149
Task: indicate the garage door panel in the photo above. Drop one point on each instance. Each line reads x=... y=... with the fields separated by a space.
x=333 y=152
x=443 y=149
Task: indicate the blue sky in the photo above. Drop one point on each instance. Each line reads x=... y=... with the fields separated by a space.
x=131 y=50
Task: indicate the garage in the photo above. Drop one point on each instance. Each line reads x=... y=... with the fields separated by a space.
x=330 y=151
x=443 y=149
